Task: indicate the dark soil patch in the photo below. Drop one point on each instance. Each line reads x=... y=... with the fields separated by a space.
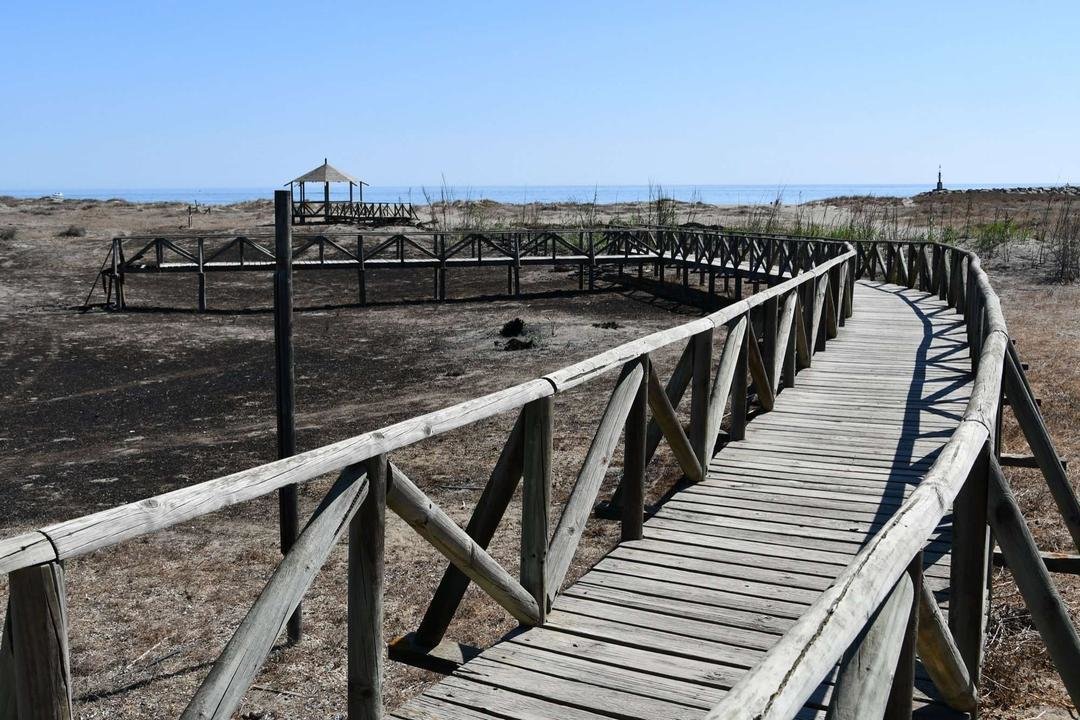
x=513 y=328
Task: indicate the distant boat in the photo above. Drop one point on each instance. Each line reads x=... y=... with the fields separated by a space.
x=57 y=197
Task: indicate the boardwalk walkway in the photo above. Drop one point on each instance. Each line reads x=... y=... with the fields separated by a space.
x=661 y=627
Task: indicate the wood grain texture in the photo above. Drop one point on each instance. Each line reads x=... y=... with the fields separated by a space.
x=37 y=607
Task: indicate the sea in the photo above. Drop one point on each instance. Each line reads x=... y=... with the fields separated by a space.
x=419 y=194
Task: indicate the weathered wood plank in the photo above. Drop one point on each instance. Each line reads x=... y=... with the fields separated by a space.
x=435 y=526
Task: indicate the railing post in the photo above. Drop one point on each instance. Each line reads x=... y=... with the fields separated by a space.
x=361 y=274
x=367 y=534
x=536 y=499
x=771 y=308
x=739 y=388
x=899 y=705
x=202 y=274
x=634 y=459
x=700 y=387
x=969 y=566
x=37 y=621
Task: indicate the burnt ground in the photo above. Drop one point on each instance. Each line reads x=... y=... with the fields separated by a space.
x=101 y=408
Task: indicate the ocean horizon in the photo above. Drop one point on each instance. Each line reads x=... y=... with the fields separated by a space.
x=602 y=194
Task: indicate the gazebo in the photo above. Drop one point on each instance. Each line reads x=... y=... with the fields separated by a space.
x=325 y=174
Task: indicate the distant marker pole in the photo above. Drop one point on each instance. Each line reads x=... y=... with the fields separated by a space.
x=289 y=514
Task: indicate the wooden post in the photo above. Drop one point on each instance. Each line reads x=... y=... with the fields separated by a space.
x=121 y=295
x=899 y=706
x=367 y=535
x=700 y=387
x=969 y=566
x=536 y=499
x=288 y=512
x=39 y=643
x=634 y=459
x=739 y=389
x=202 y=275
x=361 y=273
x=768 y=345
x=8 y=706
x=869 y=666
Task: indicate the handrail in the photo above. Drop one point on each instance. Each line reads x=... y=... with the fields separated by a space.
x=779 y=685
x=369 y=482
x=105 y=528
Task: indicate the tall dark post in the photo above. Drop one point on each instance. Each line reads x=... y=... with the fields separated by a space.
x=284 y=378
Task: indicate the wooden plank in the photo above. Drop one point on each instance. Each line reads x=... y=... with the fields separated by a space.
x=435 y=526
x=223 y=689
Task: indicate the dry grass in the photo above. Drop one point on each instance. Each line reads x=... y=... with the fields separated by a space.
x=149 y=616
x=1045 y=322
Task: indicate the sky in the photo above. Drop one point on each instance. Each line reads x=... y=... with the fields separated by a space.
x=244 y=94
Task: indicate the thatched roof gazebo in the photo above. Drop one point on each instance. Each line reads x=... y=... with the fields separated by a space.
x=356 y=212
x=324 y=174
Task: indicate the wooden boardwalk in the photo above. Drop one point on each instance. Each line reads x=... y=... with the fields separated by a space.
x=663 y=626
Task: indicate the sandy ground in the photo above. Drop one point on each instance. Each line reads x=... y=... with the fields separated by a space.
x=101 y=408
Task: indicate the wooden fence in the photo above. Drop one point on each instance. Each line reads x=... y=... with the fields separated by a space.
x=877 y=615
x=347 y=211
x=793 y=318
x=870 y=620
x=713 y=254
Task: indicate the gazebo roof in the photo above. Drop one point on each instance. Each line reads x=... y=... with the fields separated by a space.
x=326 y=173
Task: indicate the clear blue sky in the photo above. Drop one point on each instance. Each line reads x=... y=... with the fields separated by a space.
x=238 y=94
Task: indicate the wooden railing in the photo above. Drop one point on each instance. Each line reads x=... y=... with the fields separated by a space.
x=877 y=615
x=715 y=254
x=346 y=211
x=792 y=319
